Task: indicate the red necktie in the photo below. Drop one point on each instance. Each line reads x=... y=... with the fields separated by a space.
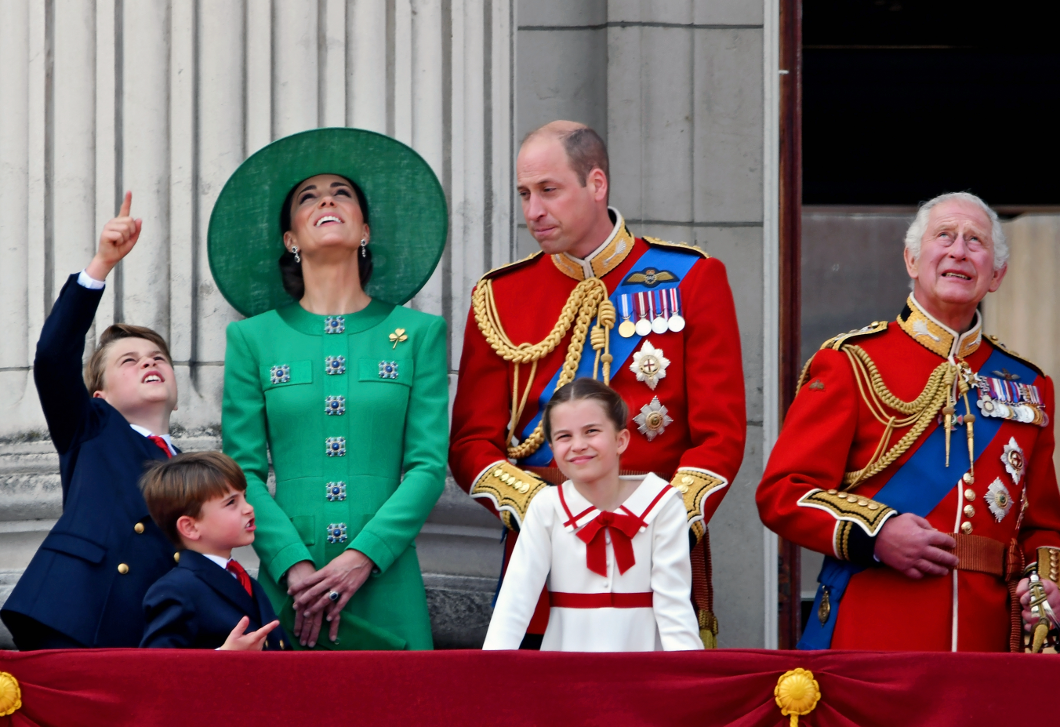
x=244 y=578
x=161 y=444
x=622 y=528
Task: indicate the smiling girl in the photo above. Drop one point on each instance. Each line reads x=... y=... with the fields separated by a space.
x=613 y=549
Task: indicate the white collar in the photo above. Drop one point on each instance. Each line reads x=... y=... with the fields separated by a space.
x=223 y=562
x=148 y=433
x=642 y=502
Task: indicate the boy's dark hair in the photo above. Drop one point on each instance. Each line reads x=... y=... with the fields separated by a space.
x=291 y=272
x=582 y=389
x=179 y=486
x=97 y=363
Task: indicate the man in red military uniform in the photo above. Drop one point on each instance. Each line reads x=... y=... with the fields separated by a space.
x=917 y=456
x=654 y=320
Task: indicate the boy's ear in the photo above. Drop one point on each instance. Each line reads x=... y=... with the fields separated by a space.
x=623 y=440
x=188 y=528
x=98 y=394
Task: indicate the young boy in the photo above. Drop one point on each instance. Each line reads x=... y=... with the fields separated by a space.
x=85 y=585
x=208 y=601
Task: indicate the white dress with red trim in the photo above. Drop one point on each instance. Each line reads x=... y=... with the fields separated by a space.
x=617 y=581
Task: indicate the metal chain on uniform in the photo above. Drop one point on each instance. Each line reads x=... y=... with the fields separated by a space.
x=588 y=300
x=946 y=383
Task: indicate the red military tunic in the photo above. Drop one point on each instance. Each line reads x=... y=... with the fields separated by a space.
x=702 y=389
x=830 y=430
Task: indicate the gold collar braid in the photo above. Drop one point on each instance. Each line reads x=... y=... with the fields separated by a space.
x=946 y=383
x=588 y=300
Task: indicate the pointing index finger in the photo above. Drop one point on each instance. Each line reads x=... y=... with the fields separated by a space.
x=126 y=205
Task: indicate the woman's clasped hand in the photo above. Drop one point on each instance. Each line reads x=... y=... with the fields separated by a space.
x=312 y=589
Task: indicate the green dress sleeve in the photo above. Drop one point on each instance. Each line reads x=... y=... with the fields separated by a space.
x=244 y=439
x=426 y=442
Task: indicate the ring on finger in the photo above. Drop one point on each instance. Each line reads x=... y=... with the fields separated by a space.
x=333 y=596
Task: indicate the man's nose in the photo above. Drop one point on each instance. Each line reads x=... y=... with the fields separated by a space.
x=533 y=208
x=959 y=248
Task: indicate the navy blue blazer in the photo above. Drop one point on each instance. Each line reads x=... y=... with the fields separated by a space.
x=89 y=577
x=196 y=606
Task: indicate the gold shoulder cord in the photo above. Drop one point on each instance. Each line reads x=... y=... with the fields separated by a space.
x=946 y=382
x=587 y=301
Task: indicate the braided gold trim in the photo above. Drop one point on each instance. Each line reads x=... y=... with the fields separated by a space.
x=588 y=300
x=695 y=485
x=510 y=488
x=869 y=514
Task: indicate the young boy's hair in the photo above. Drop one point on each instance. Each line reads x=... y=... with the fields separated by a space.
x=97 y=364
x=179 y=486
x=582 y=389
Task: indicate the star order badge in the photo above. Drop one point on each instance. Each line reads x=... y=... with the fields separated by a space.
x=649 y=365
x=653 y=419
x=1013 y=460
x=998 y=499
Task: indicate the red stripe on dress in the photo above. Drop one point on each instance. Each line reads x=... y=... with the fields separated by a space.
x=655 y=502
x=600 y=600
x=572 y=519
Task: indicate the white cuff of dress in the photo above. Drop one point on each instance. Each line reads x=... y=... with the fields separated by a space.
x=87 y=281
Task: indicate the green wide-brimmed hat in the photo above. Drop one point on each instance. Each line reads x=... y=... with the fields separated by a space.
x=406 y=204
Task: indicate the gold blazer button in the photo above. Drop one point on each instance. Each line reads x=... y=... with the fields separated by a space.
x=122 y=568
x=138 y=527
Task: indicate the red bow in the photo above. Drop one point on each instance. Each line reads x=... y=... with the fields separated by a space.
x=622 y=528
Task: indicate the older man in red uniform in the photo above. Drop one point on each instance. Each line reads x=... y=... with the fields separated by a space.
x=917 y=456
x=654 y=320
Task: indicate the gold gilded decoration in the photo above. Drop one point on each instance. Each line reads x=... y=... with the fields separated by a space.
x=139 y=528
x=122 y=568
x=649 y=365
x=708 y=629
x=601 y=261
x=1013 y=460
x=998 y=499
x=588 y=300
x=969 y=511
x=817 y=385
x=966 y=528
x=797 y=694
x=836 y=343
x=695 y=485
x=825 y=609
x=849 y=508
x=509 y=488
x=176 y=557
x=650 y=277
x=10 y=694
x=1049 y=563
x=398 y=336
x=937 y=338
x=653 y=419
x=676 y=246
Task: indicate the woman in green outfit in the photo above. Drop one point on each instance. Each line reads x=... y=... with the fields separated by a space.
x=346 y=389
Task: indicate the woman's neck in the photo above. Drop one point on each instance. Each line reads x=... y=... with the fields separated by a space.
x=333 y=288
x=607 y=492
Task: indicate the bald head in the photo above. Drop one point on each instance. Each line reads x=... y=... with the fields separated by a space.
x=584 y=148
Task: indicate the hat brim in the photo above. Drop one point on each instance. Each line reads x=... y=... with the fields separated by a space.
x=407 y=213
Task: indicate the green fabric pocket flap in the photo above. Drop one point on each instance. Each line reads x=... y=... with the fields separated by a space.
x=355 y=634
x=306 y=525
x=286 y=373
x=387 y=371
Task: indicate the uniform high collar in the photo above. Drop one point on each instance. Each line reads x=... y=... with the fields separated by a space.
x=603 y=259
x=938 y=338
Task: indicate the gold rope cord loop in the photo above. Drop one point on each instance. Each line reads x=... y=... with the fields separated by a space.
x=919 y=413
x=587 y=301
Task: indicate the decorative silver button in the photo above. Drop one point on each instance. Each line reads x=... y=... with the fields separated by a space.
x=334 y=324
x=335 y=405
x=337 y=533
x=335 y=365
x=388 y=369
x=336 y=491
x=280 y=374
x=336 y=446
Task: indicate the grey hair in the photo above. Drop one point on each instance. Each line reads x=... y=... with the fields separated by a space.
x=915 y=234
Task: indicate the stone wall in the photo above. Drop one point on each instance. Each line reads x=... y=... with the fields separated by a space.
x=167 y=98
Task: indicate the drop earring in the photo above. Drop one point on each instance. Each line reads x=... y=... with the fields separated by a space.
x=364 y=244
x=297 y=257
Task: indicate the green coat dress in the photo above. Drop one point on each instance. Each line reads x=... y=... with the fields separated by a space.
x=358 y=432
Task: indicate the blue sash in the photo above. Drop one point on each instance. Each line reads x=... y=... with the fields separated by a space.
x=660 y=258
x=917 y=487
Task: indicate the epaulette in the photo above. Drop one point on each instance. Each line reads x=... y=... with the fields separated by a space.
x=676 y=245
x=998 y=344
x=511 y=266
x=837 y=342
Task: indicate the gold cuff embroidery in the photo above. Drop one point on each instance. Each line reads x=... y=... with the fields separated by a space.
x=510 y=488
x=868 y=514
x=695 y=485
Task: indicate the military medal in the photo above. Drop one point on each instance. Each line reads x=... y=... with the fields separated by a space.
x=658 y=322
x=649 y=365
x=998 y=499
x=676 y=322
x=1013 y=460
x=627 y=328
x=653 y=419
x=643 y=327
x=1004 y=398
